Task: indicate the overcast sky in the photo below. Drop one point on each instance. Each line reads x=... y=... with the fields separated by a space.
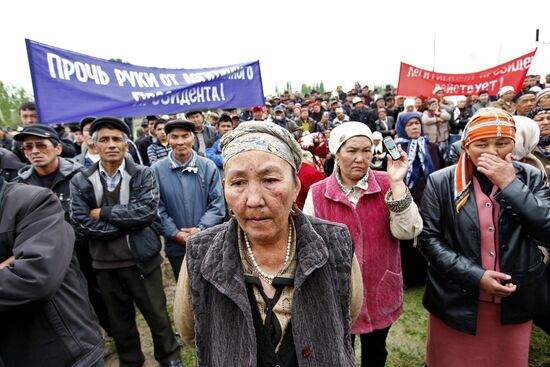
x=339 y=42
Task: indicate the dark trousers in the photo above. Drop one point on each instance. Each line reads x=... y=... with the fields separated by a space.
x=120 y=289
x=543 y=322
x=414 y=265
x=85 y=261
x=176 y=263
x=373 y=348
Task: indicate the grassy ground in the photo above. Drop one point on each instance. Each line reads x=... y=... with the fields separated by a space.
x=406 y=340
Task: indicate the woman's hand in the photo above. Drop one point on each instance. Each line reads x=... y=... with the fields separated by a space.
x=397 y=170
x=501 y=172
x=490 y=284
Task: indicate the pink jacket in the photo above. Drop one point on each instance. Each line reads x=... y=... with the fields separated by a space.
x=375 y=248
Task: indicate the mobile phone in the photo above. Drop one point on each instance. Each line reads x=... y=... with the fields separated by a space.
x=392 y=148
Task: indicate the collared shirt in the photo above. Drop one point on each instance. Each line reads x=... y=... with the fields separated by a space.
x=355 y=192
x=189 y=166
x=112 y=181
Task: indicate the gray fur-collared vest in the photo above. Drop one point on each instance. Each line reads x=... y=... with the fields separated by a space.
x=321 y=322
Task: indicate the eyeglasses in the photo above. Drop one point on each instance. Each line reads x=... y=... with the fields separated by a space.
x=30 y=146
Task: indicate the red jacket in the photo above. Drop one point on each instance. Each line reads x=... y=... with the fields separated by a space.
x=308 y=175
x=375 y=247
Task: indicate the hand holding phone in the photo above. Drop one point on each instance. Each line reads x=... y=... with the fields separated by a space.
x=392 y=149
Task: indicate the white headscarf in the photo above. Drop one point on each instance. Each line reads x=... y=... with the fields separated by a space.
x=342 y=133
x=527 y=137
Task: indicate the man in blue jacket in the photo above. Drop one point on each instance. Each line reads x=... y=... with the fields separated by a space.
x=191 y=197
x=114 y=204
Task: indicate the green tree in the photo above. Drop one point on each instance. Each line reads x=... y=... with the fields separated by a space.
x=10 y=99
x=288 y=87
x=118 y=59
x=381 y=89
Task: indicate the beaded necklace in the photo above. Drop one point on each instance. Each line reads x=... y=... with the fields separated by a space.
x=264 y=275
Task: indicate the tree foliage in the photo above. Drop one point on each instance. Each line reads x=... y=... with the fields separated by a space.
x=10 y=99
x=307 y=89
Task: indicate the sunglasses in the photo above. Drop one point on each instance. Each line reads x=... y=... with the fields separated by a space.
x=30 y=146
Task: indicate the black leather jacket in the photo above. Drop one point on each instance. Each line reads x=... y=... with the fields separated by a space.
x=450 y=242
x=454 y=153
x=134 y=219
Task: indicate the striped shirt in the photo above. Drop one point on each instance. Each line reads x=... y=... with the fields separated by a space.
x=157 y=151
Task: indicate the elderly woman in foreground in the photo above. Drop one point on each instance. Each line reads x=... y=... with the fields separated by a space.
x=483 y=219
x=271 y=286
x=378 y=209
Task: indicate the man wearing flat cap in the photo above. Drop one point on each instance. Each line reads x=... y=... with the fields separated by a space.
x=89 y=154
x=191 y=196
x=525 y=102
x=41 y=146
x=143 y=143
x=114 y=204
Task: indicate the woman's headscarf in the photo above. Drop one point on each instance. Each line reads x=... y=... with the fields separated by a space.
x=487 y=123
x=342 y=133
x=527 y=137
x=414 y=146
x=263 y=136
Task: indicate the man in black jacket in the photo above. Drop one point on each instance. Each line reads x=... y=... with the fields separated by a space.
x=143 y=143
x=9 y=165
x=360 y=113
x=42 y=146
x=45 y=315
x=114 y=204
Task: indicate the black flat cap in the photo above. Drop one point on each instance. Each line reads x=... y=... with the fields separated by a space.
x=191 y=113
x=111 y=123
x=179 y=124
x=521 y=94
x=85 y=121
x=41 y=131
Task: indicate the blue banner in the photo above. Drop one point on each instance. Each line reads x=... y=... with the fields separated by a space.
x=69 y=86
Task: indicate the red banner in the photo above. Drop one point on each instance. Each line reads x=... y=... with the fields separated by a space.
x=414 y=81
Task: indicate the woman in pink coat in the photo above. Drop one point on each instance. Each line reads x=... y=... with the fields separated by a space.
x=378 y=210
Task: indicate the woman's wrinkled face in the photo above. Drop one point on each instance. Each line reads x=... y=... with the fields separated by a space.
x=413 y=128
x=495 y=146
x=543 y=120
x=260 y=189
x=354 y=158
x=544 y=102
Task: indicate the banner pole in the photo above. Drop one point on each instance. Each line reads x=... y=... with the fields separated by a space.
x=433 y=61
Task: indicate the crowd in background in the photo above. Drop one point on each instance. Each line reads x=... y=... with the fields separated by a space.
x=184 y=151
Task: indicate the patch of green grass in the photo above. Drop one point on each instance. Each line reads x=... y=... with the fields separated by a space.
x=406 y=340
x=407 y=337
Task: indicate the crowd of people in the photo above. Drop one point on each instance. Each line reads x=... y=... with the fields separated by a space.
x=289 y=228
